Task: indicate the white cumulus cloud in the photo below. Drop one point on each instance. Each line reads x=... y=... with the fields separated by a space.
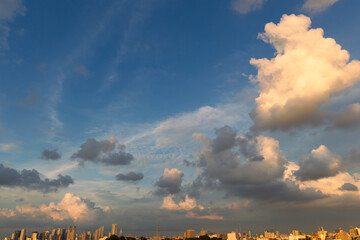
x=70 y=207
x=306 y=72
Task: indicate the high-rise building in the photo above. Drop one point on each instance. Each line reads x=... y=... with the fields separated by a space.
x=114 y=229
x=71 y=233
x=233 y=236
x=34 y=235
x=203 y=232
x=190 y=233
x=22 y=234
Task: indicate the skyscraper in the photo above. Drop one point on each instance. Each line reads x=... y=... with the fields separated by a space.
x=190 y=233
x=114 y=229
x=22 y=234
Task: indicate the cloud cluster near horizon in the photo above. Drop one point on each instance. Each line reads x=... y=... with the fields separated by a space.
x=70 y=207
x=31 y=180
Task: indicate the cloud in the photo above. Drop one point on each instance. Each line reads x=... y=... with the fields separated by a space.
x=220 y=162
x=192 y=208
x=169 y=182
x=50 y=154
x=306 y=72
x=187 y=204
x=314 y=6
x=260 y=176
x=276 y=191
x=131 y=176
x=188 y=163
x=70 y=207
x=8 y=147
x=30 y=179
x=181 y=127
x=321 y=163
x=327 y=185
x=81 y=69
x=103 y=151
x=29 y=100
x=9 y=9
x=348 y=118
x=246 y=6
x=348 y=187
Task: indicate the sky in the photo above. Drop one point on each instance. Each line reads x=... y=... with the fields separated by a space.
x=226 y=115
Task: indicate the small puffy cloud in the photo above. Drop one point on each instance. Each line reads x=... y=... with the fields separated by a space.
x=321 y=163
x=348 y=187
x=313 y=6
x=169 y=182
x=103 y=151
x=30 y=179
x=9 y=9
x=48 y=154
x=306 y=72
x=131 y=176
x=187 y=204
x=246 y=6
x=70 y=207
x=192 y=208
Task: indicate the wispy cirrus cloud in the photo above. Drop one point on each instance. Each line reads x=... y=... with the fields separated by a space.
x=9 y=10
x=314 y=6
x=246 y=6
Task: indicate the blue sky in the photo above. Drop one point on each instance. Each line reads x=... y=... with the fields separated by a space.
x=165 y=110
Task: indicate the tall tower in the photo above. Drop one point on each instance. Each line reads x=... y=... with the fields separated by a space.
x=114 y=229
x=22 y=234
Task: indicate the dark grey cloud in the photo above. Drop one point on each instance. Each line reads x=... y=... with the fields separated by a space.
x=103 y=151
x=131 y=176
x=193 y=189
x=30 y=179
x=48 y=154
x=169 y=182
x=220 y=158
x=348 y=187
x=347 y=119
x=257 y=176
x=188 y=163
x=117 y=158
x=320 y=163
x=274 y=192
x=225 y=139
x=352 y=159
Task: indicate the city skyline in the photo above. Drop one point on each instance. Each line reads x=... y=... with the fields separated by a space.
x=224 y=115
x=101 y=234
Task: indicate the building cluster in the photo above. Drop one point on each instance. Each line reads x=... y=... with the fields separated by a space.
x=65 y=234
x=189 y=234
